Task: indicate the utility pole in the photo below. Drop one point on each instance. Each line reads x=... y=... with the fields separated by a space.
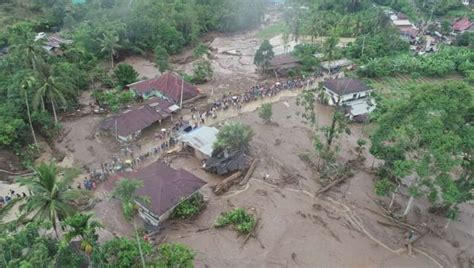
x=182 y=89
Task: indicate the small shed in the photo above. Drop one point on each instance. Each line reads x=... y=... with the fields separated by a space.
x=201 y=141
x=335 y=65
x=283 y=63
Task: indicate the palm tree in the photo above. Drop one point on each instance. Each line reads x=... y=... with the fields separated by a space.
x=51 y=87
x=28 y=47
x=109 y=44
x=22 y=82
x=51 y=197
x=83 y=226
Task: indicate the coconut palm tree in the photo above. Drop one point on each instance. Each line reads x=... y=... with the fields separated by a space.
x=22 y=82
x=51 y=87
x=109 y=44
x=51 y=196
x=26 y=45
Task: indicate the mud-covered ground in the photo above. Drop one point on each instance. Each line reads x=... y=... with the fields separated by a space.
x=296 y=227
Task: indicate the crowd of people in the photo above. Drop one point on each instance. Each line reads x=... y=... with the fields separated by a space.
x=254 y=93
x=4 y=200
x=167 y=138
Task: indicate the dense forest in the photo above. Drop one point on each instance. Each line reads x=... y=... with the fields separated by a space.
x=35 y=86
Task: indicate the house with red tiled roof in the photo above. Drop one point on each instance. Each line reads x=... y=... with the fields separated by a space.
x=461 y=25
x=128 y=125
x=168 y=86
x=165 y=187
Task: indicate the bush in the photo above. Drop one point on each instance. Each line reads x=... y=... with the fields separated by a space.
x=113 y=99
x=265 y=112
x=125 y=74
x=174 y=255
x=202 y=71
x=188 y=208
x=242 y=221
x=383 y=187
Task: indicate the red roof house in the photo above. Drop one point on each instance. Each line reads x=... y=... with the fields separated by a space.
x=462 y=24
x=166 y=86
x=129 y=124
x=166 y=187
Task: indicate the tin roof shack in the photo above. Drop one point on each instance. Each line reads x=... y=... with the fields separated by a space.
x=201 y=141
x=167 y=86
x=223 y=162
x=352 y=94
x=129 y=124
x=166 y=187
x=282 y=64
x=52 y=42
x=335 y=66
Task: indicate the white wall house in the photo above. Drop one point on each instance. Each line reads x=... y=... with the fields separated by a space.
x=350 y=93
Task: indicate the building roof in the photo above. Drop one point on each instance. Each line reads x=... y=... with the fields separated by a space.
x=462 y=24
x=343 y=86
x=283 y=59
x=360 y=107
x=402 y=23
x=335 y=63
x=167 y=84
x=201 y=139
x=409 y=31
x=166 y=187
x=136 y=119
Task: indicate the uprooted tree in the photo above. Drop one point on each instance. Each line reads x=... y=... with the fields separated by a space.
x=326 y=136
x=428 y=137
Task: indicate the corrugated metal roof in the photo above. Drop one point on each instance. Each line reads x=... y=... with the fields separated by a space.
x=201 y=139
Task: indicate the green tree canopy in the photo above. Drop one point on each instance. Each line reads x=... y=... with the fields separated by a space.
x=51 y=195
x=234 y=137
x=429 y=135
x=125 y=74
x=263 y=55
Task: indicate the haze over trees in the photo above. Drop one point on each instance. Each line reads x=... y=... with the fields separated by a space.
x=100 y=31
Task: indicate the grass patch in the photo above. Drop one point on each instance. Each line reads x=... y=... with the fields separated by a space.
x=242 y=221
x=271 y=31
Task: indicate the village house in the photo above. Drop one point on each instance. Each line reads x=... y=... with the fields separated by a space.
x=462 y=24
x=167 y=86
x=283 y=63
x=351 y=94
x=201 y=141
x=164 y=186
x=128 y=125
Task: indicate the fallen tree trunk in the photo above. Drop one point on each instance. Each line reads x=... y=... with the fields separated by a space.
x=227 y=183
x=249 y=172
x=332 y=184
